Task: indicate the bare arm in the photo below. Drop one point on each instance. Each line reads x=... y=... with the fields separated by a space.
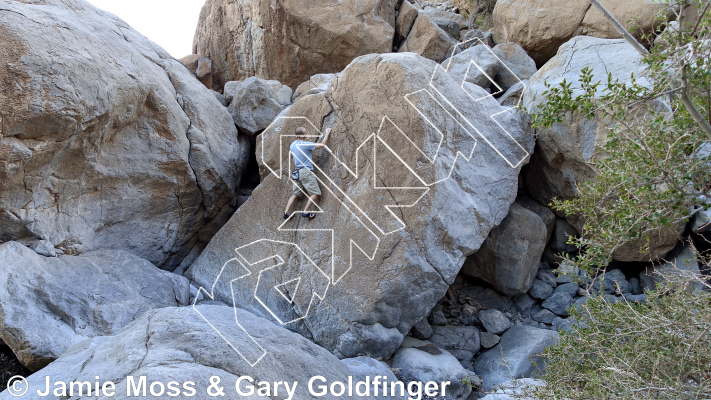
x=325 y=139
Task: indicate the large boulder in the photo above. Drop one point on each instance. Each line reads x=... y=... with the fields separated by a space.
x=290 y=40
x=255 y=103
x=49 y=304
x=178 y=345
x=106 y=141
x=514 y=356
x=510 y=255
x=564 y=153
x=428 y=39
x=541 y=26
x=383 y=270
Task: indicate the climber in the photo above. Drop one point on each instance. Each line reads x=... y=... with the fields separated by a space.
x=303 y=177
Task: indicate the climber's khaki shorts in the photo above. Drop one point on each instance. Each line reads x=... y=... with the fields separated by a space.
x=307 y=183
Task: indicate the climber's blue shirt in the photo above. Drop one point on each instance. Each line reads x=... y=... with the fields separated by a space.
x=301 y=151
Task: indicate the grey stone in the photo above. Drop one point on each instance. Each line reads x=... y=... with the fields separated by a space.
x=547 y=277
x=461 y=68
x=562 y=324
x=558 y=303
x=429 y=363
x=255 y=103
x=437 y=318
x=49 y=304
x=517 y=65
x=636 y=286
x=220 y=97
x=523 y=303
x=494 y=321
x=570 y=288
x=562 y=232
x=470 y=38
x=178 y=344
x=512 y=96
x=513 y=356
x=513 y=390
x=422 y=329
x=139 y=157
x=44 y=248
x=369 y=340
x=702 y=220
x=365 y=367
x=543 y=212
x=636 y=298
x=544 y=316
x=404 y=279
x=508 y=259
x=488 y=298
x=489 y=340
x=616 y=280
x=540 y=290
x=462 y=341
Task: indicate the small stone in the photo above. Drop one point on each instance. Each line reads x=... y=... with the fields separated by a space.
x=570 y=288
x=540 y=290
x=617 y=281
x=547 y=277
x=437 y=318
x=636 y=286
x=545 y=317
x=421 y=330
x=494 y=321
x=468 y=310
x=44 y=248
x=523 y=303
x=636 y=298
x=560 y=324
x=488 y=340
x=558 y=303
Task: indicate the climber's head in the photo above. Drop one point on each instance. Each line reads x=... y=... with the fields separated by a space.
x=301 y=133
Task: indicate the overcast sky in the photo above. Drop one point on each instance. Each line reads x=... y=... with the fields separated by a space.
x=170 y=23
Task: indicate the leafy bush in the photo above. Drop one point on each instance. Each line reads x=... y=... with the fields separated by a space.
x=660 y=349
x=655 y=172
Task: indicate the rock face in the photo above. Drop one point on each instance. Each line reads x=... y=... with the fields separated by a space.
x=512 y=357
x=562 y=161
x=291 y=40
x=49 y=304
x=408 y=256
x=176 y=344
x=140 y=157
x=255 y=103
x=541 y=26
x=509 y=257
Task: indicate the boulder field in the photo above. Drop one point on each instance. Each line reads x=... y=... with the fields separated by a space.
x=142 y=227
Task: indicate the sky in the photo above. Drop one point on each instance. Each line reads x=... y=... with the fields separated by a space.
x=169 y=23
